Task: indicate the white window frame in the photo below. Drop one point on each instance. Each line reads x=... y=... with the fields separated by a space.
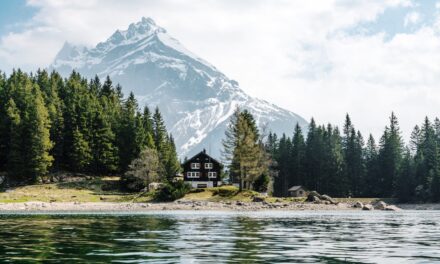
x=193 y=174
x=209 y=165
x=195 y=166
x=212 y=174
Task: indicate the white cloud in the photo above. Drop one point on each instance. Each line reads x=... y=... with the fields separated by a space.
x=412 y=18
x=293 y=53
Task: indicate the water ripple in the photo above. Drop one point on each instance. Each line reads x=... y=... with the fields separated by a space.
x=213 y=237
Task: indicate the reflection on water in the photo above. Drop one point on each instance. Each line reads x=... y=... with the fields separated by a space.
x=220 y=237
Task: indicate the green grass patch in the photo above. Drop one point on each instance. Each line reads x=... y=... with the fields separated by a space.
x=79 y=191
x=223 y=193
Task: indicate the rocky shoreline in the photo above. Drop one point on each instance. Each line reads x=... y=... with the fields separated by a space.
x=182 y=205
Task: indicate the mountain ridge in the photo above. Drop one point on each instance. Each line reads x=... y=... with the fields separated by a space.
x=195 y=98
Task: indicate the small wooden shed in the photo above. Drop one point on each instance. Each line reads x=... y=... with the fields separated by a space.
x=297 y=191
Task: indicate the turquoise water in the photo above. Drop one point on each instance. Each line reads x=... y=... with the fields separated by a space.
x=222 y=237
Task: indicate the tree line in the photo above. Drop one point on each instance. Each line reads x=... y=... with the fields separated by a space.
x=49 y=124
x=343 y=164
x=338 y=163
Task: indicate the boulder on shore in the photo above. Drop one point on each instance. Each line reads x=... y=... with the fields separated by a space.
x=317 y=198
x=313 y=196
x=358 y=205
x=392 y=208
x=368 y=207
x=325 y=197
x=380 y=205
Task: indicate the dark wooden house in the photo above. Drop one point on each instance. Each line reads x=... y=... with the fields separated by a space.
x=202 y=171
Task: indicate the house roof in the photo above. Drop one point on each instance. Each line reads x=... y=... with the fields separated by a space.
x=203 y=152
x=296 y=188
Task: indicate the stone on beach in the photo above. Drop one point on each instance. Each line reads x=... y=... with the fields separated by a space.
x=325 y=197
x=368 y=207
x=358 y=205
x=392 y=208
x=380 y=205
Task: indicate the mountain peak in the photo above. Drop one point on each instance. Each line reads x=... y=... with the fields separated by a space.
x=136 y=31
x=145 y=26
x=69 y=51
x=195 y=98
x=147 y=21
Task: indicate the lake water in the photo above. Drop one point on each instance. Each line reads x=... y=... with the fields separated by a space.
x=222 y=237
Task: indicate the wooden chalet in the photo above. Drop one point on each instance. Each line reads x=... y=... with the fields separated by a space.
x=202 y=171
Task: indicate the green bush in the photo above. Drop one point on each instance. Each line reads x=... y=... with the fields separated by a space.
x=171 y=191
x=131 y=184
x=225 y=191
x=261 y=184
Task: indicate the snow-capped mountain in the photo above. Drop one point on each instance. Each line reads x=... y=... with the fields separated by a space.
x=194 y=97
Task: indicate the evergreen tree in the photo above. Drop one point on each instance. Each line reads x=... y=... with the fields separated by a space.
x=15 y=163
x=390 y=156
x=333 y=163
x=314 y=157
x=282 y=182
x=430 y=153
x=243 y=149
x=107 y=88
x=79 y=111
x=415 y=140
x=95 y=86
x=160 y=134
x=147 y=124
x=272 y=144
x=103 y=146
x=298 y=157
x=405 y=185
x=37 y=136
x=372 y=169
x=50 y=87
x=81 y=153
x=171 y=162
x=353 y=160
x=128 y=132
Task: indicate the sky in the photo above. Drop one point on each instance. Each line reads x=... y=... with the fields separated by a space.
x=319 y=59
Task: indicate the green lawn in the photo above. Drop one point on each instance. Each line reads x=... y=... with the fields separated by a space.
x=81 y=191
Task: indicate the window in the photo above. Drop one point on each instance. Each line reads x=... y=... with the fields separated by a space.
x=208 y=165
x=193 y=174
x=212 y=174
x=195 y=166
x=202 y=185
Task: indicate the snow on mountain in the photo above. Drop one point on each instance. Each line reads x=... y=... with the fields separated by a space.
x=194 y=97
